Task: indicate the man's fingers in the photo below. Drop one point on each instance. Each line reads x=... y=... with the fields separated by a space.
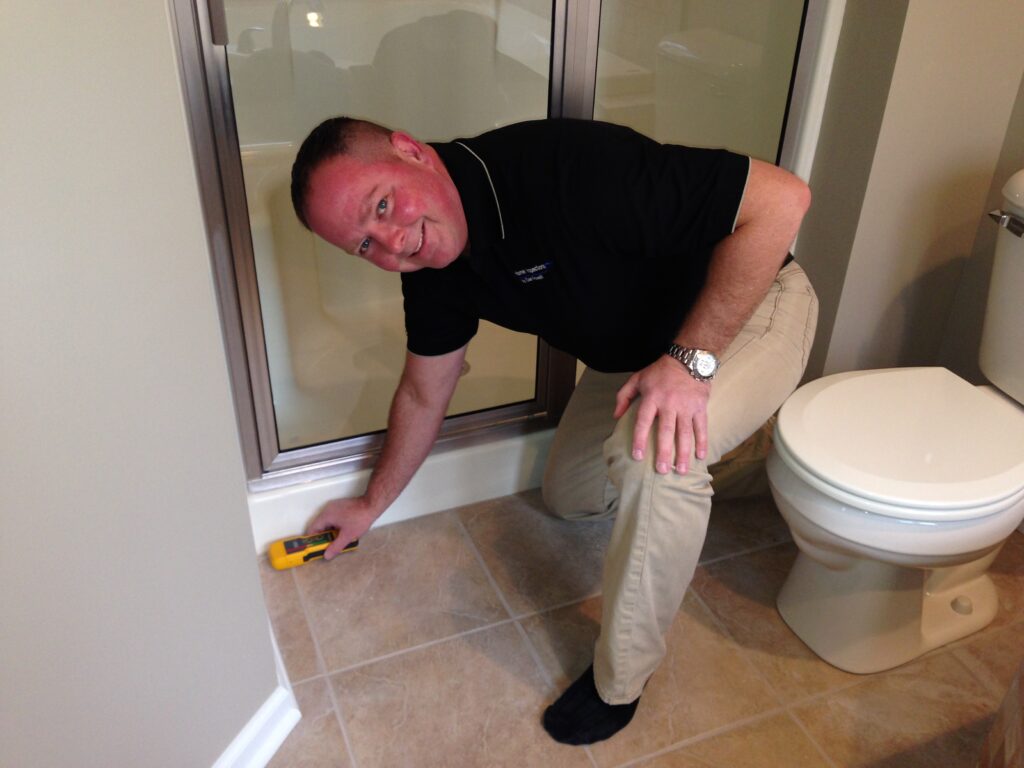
x=684 y=441
x=700 y=433
x=335 y=548
x=644 y=420
x=666 y=442
x=342 y=540
x=625 y=396
x=316 y=526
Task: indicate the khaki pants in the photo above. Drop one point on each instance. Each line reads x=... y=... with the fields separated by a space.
x=661 y=520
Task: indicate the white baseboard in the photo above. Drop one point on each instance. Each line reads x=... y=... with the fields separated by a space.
x=261 y=737
x=446 y=480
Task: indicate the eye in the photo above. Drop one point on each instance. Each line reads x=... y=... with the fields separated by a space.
x=382 y=206
x=364 y=246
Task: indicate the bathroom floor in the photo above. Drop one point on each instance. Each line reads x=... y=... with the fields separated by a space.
x=441 y=640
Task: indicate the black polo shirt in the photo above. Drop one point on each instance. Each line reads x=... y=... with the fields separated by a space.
x=589 y=235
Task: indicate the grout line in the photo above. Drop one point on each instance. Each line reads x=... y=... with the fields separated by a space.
x=501 y=596
x=483 y=565
x=340 y=716
x=548 y=680
x=309 y=679
x=741 y=648
x=987 y=685
x=323 y=666
x=810 y=737
x=691 y=740
x=530 y=648
x=812 y=698
x=420 y=647
x=558 y=606
x=742 y=552
x=1016 y=625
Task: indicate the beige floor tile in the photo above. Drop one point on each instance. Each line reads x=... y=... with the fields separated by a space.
x=994 y=657
x=704 y=683
x=928 y=714
x=475 y=700
x=316 y=742
x=678 y=759
x=289 y=622
x=564 y=639
x=770 y=743
x=536 y=560
x=407 y=584
x=743 y=524
x=741 y=592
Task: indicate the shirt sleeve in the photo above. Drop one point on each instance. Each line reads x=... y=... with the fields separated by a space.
x=705 y=187
x=439 y=317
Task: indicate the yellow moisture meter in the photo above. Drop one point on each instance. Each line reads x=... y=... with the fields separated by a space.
x=298 y=550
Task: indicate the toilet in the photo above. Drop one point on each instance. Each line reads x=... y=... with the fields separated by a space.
x=900 y=486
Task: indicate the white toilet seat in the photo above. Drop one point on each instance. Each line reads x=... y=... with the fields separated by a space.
x=814 y=516
x=916 y=444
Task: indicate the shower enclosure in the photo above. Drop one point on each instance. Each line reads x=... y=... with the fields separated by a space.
x=315 y=336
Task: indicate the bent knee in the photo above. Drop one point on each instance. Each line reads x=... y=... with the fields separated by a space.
x=568 y=501
x=552 y=499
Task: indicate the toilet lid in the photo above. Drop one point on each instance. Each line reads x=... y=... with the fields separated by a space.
x=911 y=437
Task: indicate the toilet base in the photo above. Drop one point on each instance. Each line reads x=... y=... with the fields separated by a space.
x=867 y=616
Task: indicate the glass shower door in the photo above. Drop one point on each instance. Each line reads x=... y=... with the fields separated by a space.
x=705 y=73
x=333 y=324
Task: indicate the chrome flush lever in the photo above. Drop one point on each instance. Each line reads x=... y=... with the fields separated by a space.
x=1008 y=221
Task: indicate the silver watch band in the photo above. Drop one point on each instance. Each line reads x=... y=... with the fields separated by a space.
x=687 y=357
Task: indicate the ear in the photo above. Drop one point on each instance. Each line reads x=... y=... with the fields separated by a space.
x=407 y=146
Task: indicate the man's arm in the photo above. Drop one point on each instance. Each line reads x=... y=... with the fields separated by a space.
x=417 y=410
x=741 y=270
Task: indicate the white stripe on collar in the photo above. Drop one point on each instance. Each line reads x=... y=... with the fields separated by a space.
x=501 y=222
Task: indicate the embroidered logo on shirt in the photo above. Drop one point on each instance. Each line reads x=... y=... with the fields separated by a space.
x=531 y=274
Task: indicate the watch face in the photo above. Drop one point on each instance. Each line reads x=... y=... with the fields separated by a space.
x=705 y=364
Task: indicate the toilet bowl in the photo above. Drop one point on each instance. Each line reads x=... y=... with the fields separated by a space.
x=899 y=487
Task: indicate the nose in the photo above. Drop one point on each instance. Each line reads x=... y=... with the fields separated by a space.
x=392 y=238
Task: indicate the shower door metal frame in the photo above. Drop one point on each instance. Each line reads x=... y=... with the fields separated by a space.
x=202 y=37
x=575 y=27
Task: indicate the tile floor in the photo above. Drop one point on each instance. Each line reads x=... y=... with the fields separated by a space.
x=441 y=640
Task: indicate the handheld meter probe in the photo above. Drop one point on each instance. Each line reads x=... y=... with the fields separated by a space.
x=299 y=550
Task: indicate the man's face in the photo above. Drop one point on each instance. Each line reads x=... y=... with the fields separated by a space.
x=400 y=212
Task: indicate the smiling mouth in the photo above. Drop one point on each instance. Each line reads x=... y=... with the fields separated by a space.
x=420 y=243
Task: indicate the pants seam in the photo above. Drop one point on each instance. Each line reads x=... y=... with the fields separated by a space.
x=771 y=320
x=811 y=310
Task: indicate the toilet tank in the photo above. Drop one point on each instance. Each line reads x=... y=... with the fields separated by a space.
x=1002 y=340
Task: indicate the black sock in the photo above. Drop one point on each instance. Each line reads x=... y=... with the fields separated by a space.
x=580 y=716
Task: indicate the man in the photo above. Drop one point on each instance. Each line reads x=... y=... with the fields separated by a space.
x=658 y=266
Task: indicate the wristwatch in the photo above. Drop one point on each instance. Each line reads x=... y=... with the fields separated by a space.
x=701 y=364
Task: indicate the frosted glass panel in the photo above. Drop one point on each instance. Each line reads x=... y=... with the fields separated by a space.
x=333 y=324
x=706 y=73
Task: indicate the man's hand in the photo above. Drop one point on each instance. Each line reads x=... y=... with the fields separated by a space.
x=678 y=401
x=352 y=518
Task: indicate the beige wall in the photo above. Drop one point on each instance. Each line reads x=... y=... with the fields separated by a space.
x=132 y=631
x=958 y=350
x=890 y=278
x=857 y=94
